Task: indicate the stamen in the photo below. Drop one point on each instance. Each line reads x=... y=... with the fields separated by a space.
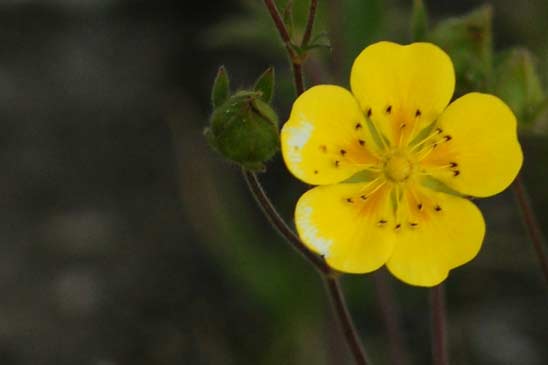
x=358 y=126
x=363 y=197
x=397 y=227
x=413 y=224
x=389 y=109
x=343 y=152
x=337 y=163
x=453 y=164
x=323 y=148
x=437 y=208
x=456 y=173
x=447 y=138
x=420 y=206
x=418 y=113
x=382 y=222
x=369 y=112
x=349 y=200
x=361 y=142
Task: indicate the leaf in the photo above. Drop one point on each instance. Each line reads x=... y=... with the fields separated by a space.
x=265 y=85
x=419 y=21
x=221 y=88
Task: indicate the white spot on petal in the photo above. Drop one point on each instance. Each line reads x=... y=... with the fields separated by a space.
x=309 y=232
x=298 y=136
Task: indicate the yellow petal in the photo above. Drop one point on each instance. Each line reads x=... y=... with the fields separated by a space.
x=405 y=87
x=478 y=138
x=439 y=233
x=325 y=139
x=349 y=224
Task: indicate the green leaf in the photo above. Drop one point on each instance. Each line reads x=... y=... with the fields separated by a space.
x=468 y=41
x=288 y=17
x=419 y=21
x=265 y=85
x=221 y=88
x=518 y=84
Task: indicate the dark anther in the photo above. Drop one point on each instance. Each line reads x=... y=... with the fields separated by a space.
x=363 y=197
x=316 y=172
x=358 y=126
x=361 y=142
x=453 y=164
x=418 y=113
x=382 y=221
x=419 y=206
x=349 y=200
x=439 y=130
x=456 y=173
x=437 y=208
x=398 y=226
x=413 y=224
x=337 y=163
x=389 y=109
x=369 y=112
x=343 y=152
x=434 y=145
x=447 y=138
x=403 y=125
x=323 y=148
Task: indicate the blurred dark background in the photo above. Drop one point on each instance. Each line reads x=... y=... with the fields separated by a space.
x=124 y=240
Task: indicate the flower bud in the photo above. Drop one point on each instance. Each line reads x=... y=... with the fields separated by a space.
x=519 y=85
x=244 y=129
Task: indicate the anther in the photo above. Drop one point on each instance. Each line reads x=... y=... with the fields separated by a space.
x=358 y=126
x=361 y=142
x=389 y=109
x=456 y=173
x=403 y=125
x=315 y=172
x=418 y=113
x=343 y=152
x=350 y=200
x=363 y=197
x=382 y=222
x=439 y=130
x=397 y=227
x=447 y=138
x=453 y=164
x=437 y=208
x=337 y=163
x=413 y=224
x=323 y=148
x=419 y=206
x=369 y=112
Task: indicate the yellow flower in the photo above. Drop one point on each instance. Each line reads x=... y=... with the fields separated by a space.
x=394 y=163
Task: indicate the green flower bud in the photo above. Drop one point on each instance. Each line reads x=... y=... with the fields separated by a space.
x=518 y=84
x=244 y=129
x=469 y=42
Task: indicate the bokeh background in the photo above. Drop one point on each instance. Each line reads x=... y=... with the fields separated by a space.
x=125 y=240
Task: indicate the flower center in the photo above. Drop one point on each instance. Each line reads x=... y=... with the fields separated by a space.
x=397 y=168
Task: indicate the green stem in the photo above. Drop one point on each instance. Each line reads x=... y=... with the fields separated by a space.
x=531 y=223
x=309 y=22
x=294 y=59
x=332 y=283
x=439 y=331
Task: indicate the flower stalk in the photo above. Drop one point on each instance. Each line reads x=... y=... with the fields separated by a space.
x=439 y=331
x=330 y=277
x=531 y=223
